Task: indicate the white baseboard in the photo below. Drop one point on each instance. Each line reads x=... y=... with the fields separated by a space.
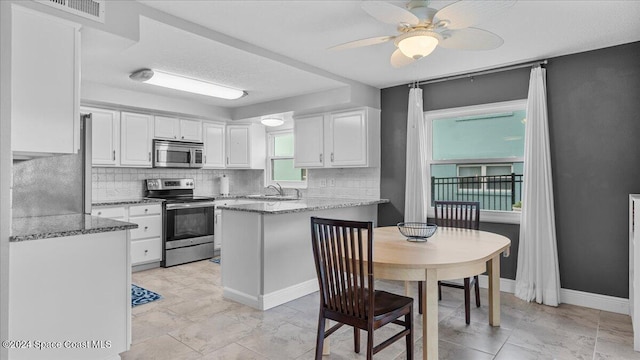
x=287 y=294
x=572 y=297
x=241 y=297
x=595 y=301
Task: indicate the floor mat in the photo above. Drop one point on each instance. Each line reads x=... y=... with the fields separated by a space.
x=141 y=296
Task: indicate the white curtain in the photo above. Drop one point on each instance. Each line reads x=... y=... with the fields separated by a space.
x=417 y=174
x=537 y=276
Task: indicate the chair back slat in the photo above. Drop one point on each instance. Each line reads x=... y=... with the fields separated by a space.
x=338 y=247
x=458 y=214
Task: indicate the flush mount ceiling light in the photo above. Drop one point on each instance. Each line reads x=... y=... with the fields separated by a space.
x=417 y=43
x=272 y=120
x=178 y=82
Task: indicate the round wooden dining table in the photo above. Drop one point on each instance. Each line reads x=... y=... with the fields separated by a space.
x=451 y=253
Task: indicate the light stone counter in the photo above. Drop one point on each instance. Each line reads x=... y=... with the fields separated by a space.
x=293 y=206
x=45 y=227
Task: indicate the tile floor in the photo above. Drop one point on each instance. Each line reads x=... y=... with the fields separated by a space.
x=194 y=321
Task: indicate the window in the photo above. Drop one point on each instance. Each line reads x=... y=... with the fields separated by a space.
x=476 y=153
x=485 y=177
x=280 y=162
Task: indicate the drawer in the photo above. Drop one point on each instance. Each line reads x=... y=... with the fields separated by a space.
x=148 y=226
x=144 y=251
x=109 y=212
x=141 y=210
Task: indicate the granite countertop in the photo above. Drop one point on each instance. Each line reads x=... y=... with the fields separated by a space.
x=310 y=204
x=45 y=227
x=126 y=202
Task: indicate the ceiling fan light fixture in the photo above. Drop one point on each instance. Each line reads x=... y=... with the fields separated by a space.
x=418 y=43
x=183 y=83
x=272 y=120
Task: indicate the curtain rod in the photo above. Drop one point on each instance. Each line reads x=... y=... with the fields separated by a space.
x=482 y=72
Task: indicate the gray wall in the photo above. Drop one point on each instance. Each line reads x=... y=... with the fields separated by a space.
x=594 y=110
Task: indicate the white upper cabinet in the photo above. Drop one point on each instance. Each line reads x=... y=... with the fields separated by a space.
x=166 y=128
x=177 y=129
x=245 y=145
x=338 y=139
x=347 y=144
x=105 y=136
x=45 y=70
x=308 y=139
x=214 y=149
x=135 y=139
x=190 y=130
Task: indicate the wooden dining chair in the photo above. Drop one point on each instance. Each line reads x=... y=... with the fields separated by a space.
x=465 y=215
x=343 y=254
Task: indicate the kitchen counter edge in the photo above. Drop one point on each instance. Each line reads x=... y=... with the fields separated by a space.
x=126 y=202
x=46 y=227
x=286 y=207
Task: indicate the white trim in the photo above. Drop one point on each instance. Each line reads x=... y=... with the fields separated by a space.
x=241 y=297
x=491 y=216
x=568 y=296
x=273 y=299
x=285 y=295
x=503 y=106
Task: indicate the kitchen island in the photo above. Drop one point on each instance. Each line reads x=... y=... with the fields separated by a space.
x=70 y=287
x=266 y=247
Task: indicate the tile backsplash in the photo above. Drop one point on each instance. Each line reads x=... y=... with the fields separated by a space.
x=127 y=183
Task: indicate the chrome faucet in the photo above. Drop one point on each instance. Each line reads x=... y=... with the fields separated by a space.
x=278 y=189
x=298 y=193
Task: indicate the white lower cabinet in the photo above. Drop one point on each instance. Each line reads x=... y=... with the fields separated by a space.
x=146 y=240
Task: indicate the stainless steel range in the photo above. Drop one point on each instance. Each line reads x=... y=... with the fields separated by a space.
x=188 y=221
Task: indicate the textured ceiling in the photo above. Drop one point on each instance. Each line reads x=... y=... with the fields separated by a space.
x=295 y=33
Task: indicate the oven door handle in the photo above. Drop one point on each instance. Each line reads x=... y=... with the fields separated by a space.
x=193 y=205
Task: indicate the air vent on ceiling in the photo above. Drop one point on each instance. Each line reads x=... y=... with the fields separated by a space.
x=90 y=9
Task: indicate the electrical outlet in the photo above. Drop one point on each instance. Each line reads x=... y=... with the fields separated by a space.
x=323 y=183
x=332 y=182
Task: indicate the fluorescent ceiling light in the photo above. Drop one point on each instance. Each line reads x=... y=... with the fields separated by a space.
x=418 y=43
x=272 y=120
x=178 y=82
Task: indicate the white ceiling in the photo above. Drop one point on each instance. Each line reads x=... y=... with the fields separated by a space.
x=282 y=45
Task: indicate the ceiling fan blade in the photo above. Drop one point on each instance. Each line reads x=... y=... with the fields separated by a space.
x=470 y=39
x=389 y=14
x=362 y=42
x=463 y=14
x=398 y=59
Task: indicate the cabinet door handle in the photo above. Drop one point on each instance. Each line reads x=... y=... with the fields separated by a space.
x=227 y=160
x=99 y=213
x=146 y=251
x=331 y=157
x=149 y=155
x=114 y=155
x=175 y=137
x=146 y=228
x=320 y=157
x=145 y=210
x=183 y=137
x=205 y=159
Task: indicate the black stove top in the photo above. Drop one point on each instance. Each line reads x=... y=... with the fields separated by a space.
x=186 y=199
x=174 y=191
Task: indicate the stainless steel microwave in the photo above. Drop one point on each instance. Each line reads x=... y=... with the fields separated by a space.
x=177 y=154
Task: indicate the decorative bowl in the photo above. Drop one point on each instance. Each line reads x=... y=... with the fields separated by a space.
x=417 y=231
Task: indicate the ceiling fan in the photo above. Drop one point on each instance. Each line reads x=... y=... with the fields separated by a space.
x=422 y=28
